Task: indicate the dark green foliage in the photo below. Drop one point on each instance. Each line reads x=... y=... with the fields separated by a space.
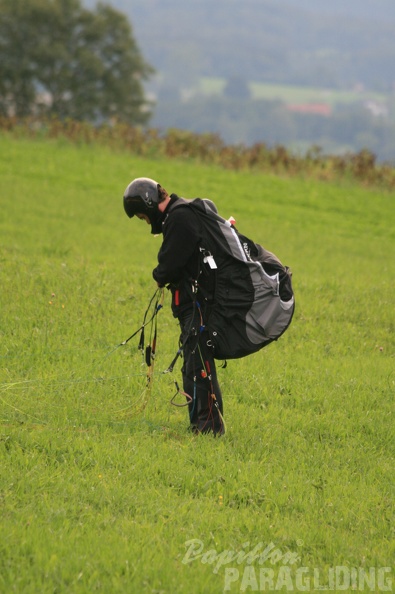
x=237 y=88
x=57 y=58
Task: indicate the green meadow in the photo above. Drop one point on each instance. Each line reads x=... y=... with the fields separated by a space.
x=292 y=93
x=102 y=488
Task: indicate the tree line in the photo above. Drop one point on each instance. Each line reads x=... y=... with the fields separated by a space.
x=57 y=58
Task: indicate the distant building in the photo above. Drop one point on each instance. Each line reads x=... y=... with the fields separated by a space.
x=322 y=109
x=377 y=109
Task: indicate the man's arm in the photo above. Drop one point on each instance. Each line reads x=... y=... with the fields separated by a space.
x=181 y=235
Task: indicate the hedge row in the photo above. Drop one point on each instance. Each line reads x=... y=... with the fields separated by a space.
x=209 y=148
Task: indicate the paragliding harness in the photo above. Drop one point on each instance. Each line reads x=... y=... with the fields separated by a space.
x=243 y=292
x=193 y=341
x=149 y=351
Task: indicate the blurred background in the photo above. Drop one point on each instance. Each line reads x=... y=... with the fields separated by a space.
x=296 y=73
x=292 y=72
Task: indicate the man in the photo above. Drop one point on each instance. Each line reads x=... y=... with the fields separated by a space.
x=179 y=261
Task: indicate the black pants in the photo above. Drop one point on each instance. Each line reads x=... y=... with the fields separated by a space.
x=200 y=377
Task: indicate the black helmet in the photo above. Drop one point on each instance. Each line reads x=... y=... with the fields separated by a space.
x=142 y=197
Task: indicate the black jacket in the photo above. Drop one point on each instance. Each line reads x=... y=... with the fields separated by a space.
x=178 y=257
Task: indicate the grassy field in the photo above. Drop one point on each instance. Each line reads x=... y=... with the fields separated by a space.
x=295 y=94
x=102 y=489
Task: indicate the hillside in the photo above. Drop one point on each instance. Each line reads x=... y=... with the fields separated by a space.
x=289 y=41
x=239 y=69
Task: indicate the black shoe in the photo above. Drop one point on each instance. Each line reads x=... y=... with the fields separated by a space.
x=205 y=429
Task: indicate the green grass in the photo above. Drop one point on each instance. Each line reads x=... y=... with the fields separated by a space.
x=101 y=485
x=293 y=94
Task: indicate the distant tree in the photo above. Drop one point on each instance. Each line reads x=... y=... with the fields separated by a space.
x=237 y=88
x=58 y=58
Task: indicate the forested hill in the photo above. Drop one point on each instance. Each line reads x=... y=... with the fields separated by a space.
x=381 y=10
x=335 y=44
x=291 y=72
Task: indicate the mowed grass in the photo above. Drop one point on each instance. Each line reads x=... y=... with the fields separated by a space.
x=101 y=484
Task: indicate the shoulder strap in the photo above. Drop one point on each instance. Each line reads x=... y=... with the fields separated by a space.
x=177 y=203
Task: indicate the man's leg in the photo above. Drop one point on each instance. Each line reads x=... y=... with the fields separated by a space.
x=200 y=380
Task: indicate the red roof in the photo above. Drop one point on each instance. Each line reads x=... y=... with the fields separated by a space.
x=316 y=108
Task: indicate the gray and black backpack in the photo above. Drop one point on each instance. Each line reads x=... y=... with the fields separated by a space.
x=247 y=295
